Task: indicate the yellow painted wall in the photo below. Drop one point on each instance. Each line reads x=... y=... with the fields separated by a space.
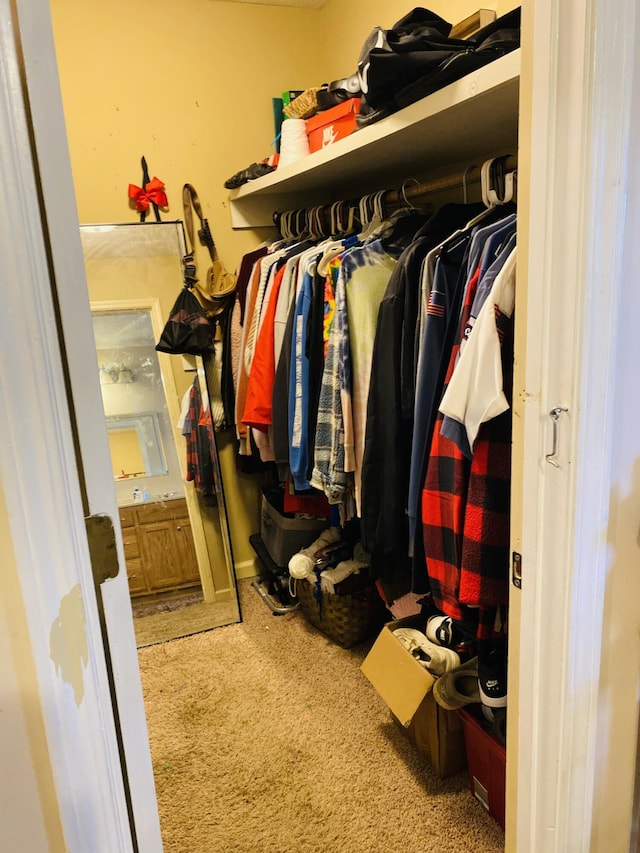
x=29 y=813
x=189 y=85
x=126 y=456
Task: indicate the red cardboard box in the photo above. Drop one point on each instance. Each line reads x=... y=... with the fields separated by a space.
x=487 y=763
x=327 y=127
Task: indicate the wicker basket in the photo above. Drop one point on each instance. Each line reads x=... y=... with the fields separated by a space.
x=345 y=619
x=305 y=105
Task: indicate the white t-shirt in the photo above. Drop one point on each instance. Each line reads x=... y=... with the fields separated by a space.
x=475 y=392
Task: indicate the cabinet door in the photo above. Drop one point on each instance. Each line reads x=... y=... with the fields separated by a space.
x=135 y=569
x=162 y=554
x=135 y=576
x=184 y=538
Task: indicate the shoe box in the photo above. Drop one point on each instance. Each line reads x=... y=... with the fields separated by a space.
x=327 y=127
x=486 y=762
x=406 y=687
x=285 y=534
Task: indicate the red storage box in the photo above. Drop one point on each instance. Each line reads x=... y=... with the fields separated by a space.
x=487 y=763
x=327 y=127
x=316 y=504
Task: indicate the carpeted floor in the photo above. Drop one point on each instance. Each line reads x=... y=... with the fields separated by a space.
x=267 y=738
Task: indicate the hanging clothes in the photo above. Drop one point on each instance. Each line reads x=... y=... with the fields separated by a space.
x=258 y=406
x=439 y=330
x=298 y=406
x=329 y=474
x=466 y=502
x=350 y=349
x=202 y=459
x=367 y=271
x=390 y=408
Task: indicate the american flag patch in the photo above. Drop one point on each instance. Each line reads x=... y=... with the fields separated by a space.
x=436 y=303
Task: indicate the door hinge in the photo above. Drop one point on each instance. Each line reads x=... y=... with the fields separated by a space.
x=516 y=570
x=102 y=548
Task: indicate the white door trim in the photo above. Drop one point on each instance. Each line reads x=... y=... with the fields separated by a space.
x=40 y=252
x=578 y=56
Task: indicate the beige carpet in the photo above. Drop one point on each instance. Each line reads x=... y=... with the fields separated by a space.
x=266 y=738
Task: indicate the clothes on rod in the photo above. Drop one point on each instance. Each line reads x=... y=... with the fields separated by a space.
x=341 y=217
x=391 y=402
x=369 y=372
x=465 y=502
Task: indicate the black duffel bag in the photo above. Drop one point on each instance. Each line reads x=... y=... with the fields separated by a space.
x=417 y=56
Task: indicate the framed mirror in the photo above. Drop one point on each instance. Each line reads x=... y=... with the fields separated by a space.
x=136 y=446
x=177 y=543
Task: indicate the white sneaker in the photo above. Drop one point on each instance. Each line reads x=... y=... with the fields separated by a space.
x=436 y=659
x=443 y=631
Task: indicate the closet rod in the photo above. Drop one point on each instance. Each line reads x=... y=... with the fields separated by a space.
x=450 y=182
x=399 y=198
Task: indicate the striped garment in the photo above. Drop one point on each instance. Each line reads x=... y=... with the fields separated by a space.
x=328 y=473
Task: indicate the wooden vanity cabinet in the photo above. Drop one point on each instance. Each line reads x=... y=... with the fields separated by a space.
x=158 y=547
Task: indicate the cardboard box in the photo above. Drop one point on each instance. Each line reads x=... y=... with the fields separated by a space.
x=487 y=763
x=330 y=125
x=405 y=686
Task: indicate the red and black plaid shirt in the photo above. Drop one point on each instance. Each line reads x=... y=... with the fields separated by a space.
x=465 y=506
x=202 y=460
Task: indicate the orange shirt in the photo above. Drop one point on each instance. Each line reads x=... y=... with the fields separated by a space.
x=258 y=407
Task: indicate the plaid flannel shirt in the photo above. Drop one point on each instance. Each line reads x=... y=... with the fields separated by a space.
x=328 y=473
x=484 y=574
x=466 y=506
x=202 y=459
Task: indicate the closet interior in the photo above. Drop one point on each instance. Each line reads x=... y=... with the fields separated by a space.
x=373 y=390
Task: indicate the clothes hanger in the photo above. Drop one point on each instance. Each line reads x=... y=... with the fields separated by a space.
x=334 y=246
x=490 y=194
x=403 y=192
x=497 y=186
x=376 y=219
x=319 y=226
x=352 y=224
x=465 y=196
x=397 y=229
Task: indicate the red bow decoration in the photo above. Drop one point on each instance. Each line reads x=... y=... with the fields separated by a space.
x=153 y=193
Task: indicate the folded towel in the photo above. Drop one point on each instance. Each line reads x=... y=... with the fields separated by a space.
x=330 y=577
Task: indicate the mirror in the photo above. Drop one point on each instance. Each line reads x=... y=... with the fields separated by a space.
x=135 y=445
x=177 y=543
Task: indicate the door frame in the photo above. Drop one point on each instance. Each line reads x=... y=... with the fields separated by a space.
x=576 y=108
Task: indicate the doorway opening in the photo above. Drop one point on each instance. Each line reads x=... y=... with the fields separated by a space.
x=177 y=549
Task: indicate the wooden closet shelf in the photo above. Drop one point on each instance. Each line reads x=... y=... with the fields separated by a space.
x=477 y=114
